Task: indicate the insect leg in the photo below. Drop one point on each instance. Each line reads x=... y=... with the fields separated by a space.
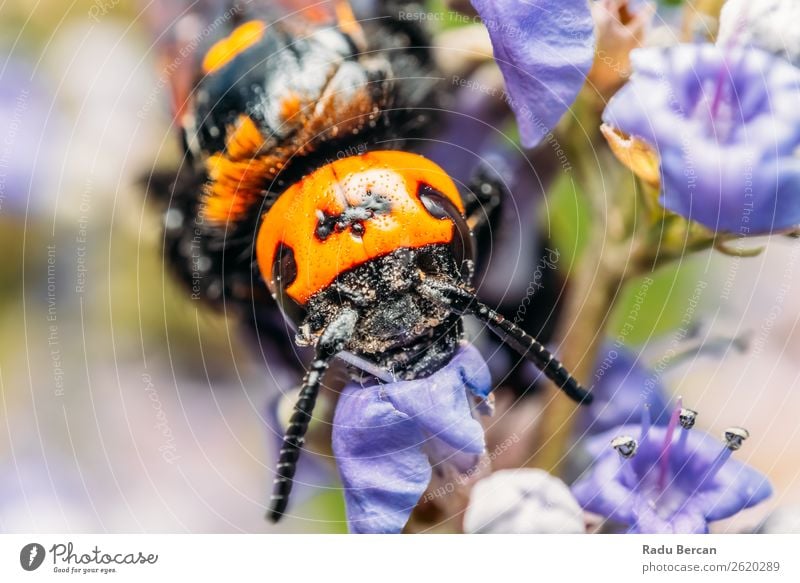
x=484 y=200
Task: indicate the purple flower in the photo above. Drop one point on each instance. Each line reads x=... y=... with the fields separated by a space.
x=726 y=126
x=622 y=385
x=386 y=437
x=669 y=480
x=545 y=50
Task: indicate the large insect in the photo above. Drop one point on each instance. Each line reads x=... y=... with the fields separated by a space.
x=300 y=179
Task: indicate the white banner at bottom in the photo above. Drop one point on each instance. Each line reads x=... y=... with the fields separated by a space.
x=388 y=559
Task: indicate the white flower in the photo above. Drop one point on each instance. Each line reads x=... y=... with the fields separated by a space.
x=524 y=501
x=784 y=520
x=768 y=24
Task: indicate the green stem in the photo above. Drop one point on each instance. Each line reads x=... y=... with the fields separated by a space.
x=594 y=286
x=594 y=290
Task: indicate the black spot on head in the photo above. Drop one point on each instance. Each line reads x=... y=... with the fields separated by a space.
x=358 y=229
x=434 y=201
x=326 y=225
x=284 y=273
x=284 y=268
x=353 y=217
x=462 y=244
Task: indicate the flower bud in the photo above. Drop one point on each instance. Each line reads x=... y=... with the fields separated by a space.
x=620 y=28
x=637 y=155
x=524 y=501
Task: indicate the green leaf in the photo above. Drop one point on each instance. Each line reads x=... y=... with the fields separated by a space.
x=565 y=216
x=328 y=513
x=658 y=303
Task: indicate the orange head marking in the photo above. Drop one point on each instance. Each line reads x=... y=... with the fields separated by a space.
x=349 y=212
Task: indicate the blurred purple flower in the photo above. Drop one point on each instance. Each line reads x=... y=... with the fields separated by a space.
x=670 y=480
x=726 y=126
x=545 y=50
x=25 y=152
x=386 y=437
x=622 y=386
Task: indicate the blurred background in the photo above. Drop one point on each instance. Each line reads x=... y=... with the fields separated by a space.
x=128 y=407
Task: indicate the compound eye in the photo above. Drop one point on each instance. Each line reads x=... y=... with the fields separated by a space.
x=284 y=272
x=462 y=245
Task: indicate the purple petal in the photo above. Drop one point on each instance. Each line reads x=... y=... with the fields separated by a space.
x=545 y=50
x=438 y=404
x=735 y=488
x=379 y=453
x=603 y=490
x=622 y=387
x=384 y=435
x=27 y=157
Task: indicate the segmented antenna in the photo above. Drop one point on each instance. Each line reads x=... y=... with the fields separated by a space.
x=464 y=302
x=331 y=342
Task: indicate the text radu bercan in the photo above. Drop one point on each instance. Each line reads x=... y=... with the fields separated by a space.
x=677 y=550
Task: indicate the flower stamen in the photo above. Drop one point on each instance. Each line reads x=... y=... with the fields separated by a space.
x=734 y=437
x=666 y=447
x=697 y=492
x=718 y=89
x=625 y=445
x=687 y=418
x=645 y=421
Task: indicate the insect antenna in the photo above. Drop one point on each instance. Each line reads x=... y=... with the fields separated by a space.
x=464 y=302
x=332 y=341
